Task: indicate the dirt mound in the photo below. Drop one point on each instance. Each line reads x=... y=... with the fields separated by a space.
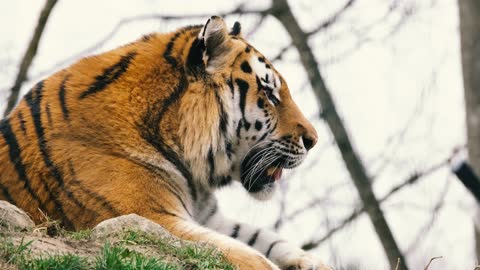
x=125 y=242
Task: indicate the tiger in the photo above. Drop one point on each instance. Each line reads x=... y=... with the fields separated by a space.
x=154 y=128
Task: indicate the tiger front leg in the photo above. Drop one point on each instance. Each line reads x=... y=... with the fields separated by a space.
x=239 y=254
x=279 y=251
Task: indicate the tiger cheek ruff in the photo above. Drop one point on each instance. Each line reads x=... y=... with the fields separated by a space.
x=154 y=127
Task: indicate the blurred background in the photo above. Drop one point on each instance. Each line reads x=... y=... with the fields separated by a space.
x=381 y=80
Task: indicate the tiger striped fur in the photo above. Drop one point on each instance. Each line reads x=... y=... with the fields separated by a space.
x=154 y=128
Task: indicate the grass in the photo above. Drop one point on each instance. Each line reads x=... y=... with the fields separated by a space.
x=167 y=254
x=188 y=255
x=78 y=235
x=55 y=262
x=117 y=257
x=12 y=253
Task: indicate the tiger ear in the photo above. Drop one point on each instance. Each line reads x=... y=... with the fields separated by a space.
x=236 y=30
x=214 y=35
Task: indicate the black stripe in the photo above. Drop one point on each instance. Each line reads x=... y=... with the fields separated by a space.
x=195 y=62
x=260 y=102
x=162 y=210
x=224 y=180
x=146 y=38
x=109 y=75
x=223 y=115
x=243 y=86
x=253 y=239
x=235 y=231
x=14 y=154
x=258 y=125
x=150 y=131
x=169 y=48
x=230 y=85
x=267 y=254
x=170 y=185
x=7 y=194
x=274 y=127
x=259 y=84
x=263 y=136
x=34 y=99
x=97 y=197
x=239 y=127
x=168 y=51
x=245 y=66
x=175 y=193
x=22 y=122
x=229 y=148
x=150 y=127
x=210 y=213
x=49 y=115
x=211 y=164
x=63 y=102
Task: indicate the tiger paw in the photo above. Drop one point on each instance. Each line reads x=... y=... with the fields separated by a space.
x=247 y=261
x=305 y=262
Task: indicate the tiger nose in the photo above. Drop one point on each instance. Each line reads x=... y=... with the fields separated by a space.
x=309 y=136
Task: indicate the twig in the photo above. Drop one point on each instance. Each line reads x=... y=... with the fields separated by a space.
x=431 y=260
x=29 y=55
x=423 y=232
x=356 y=213
x=99 y=44
x=322 y=26
x=398 y=264
x=327 y=23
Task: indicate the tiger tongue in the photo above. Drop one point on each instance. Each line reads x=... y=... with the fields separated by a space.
x=275 y=172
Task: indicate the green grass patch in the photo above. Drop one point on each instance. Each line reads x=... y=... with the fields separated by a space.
x=55 y=262
x=78 y=235
x=131 y=250
x=14 y=254
x=140 y=238
x=187 y=255
x=118 y=257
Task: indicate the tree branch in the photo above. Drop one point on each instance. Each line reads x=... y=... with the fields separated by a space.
x=321 y=27
x=29 y=55
x=240 y=9
x=362 y=181
x=414 y=178
x=334 y=18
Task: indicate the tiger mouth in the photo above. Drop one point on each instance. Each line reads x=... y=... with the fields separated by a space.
x=256 y=181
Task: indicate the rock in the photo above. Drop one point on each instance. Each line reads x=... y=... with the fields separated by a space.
x=12 y=217
x=114 y=226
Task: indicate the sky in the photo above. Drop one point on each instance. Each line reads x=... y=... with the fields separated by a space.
x=396 y=81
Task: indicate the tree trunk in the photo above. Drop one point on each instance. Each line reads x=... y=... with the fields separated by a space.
x=29 y=55
x=470 y=50
x=362 y=181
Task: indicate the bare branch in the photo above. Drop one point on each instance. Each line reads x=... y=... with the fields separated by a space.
x=122 y=23
x=398 y=264
x=355 y=167
x=431 y=260
x=414 y=178
x=334 y=18
x=427 y=226
x=29 y=55
x=321 y=27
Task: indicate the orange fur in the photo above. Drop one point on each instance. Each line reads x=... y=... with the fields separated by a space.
x=83 y=153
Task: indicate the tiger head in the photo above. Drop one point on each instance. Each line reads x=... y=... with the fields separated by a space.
x=262 y=130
